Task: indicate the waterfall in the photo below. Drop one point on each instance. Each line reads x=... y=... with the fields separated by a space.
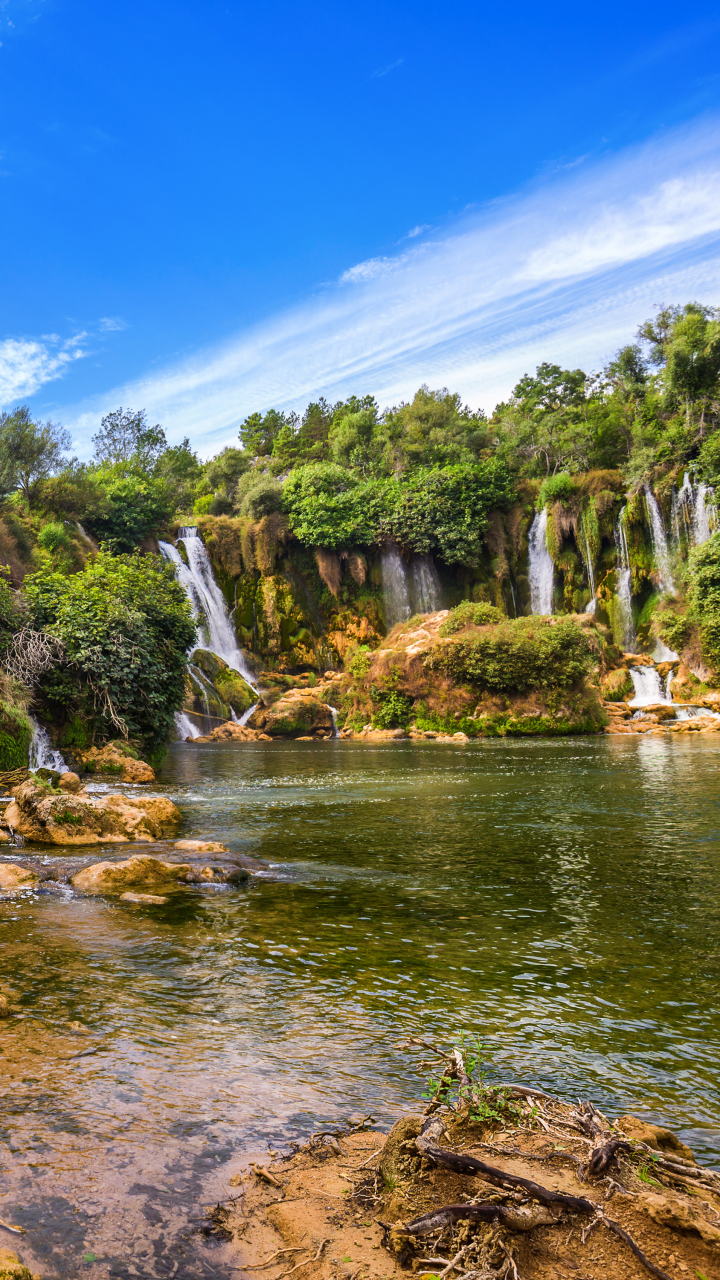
x=43 y=754
x=247 y=714
x=206 y=600
x=648 y=687
x=659 y=542
x=590 y=573
x=334 y=714
x=694 y=512
x=396 y=596
x=623 y=593
x=185 y=727
x=425 y=585
x=542 y=569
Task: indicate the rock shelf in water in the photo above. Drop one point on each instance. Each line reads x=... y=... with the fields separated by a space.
x=47 y=815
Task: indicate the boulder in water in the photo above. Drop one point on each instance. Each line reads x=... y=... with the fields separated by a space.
x=116 y=877
x=115 y=758
x=15 y=877
x=297 y=713
x=70 y=782
x=232 y=732
x=50 y=818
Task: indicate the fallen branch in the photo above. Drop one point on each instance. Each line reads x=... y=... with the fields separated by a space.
x=518 y=1218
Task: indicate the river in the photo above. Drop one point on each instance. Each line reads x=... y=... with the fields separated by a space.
x=560 y=898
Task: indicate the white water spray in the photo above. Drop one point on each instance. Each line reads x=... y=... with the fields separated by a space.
x=648 y=687
x=542 y=569
x=694 y=512
x=425 y=585
x=623 y=594
x=43 y=755
x=185 y=727
x=659 y=542
x=396 y=596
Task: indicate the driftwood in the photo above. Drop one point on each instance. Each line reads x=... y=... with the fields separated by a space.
x=516 y=1217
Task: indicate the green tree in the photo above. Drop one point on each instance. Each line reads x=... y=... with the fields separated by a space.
x=125 y=436
x=125 y=626
x=259 y=432
x=29 y=452
x=136 y=506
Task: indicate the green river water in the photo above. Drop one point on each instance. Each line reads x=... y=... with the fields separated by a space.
x=560 y=898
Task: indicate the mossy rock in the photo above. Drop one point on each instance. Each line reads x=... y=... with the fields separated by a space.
x=209 y=663
x=234 y=690
x=11 y=1268
x=15 y=738
x=617 y=685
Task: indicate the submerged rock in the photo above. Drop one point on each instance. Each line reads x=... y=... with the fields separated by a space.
x=114 y=877
x=157 y=898
x=201 y=846
x=40 y=814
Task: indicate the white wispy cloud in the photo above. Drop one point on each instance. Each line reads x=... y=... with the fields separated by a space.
x=385 y=71
x=26 y=364
x=564 y=271
x=112 y=324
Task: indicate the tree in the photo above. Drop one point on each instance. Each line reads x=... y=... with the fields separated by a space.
x=29 y=452
x=125 y=436
x=136 y=506
x=124 y=627
x=258 y=434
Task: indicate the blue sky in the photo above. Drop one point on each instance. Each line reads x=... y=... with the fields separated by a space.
x=213 y=208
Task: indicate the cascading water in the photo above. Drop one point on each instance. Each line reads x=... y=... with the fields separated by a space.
x=623 y=593
x=43 y=755
x=648 y=687
x=659 y=542
x=542 y=569
x=425 y=585
x=590 y=573
x=185 y=727
x=396 y=596
x=694 y=512
x=206 y=600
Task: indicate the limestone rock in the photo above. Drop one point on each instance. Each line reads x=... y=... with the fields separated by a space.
x=15 y=877
x=201 y=846
x=233 y=732
x=655 y=1136
x=112 y=759
x=670 y=1212
x=158 y=898
x=11 y=1268
x=116 y=877
x=296 y=713
x=70 y=782
x=49 y=818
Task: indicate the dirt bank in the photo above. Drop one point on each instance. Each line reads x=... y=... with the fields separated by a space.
x=545 y=1191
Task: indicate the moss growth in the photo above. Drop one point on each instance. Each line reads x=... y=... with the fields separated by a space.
x=15 y=737
x=469 y=614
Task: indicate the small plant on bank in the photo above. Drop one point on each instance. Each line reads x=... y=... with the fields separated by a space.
x=483 y=1103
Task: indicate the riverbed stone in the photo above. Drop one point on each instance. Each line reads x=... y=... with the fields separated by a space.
x=14 y=877
x=116 y=877
x=152 y=898
x=655 y=1136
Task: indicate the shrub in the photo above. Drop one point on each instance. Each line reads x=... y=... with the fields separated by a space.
x=704 y=595
x=53 y=536
x=468 y=613
x=393 y=711
x=559 y=488
x=517 y=655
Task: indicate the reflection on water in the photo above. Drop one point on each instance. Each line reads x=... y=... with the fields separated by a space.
x=561 y=898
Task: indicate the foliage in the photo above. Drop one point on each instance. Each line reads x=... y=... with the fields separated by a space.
x=15 y=736
x=125 y=436
x=517 y=655
x=11 y=612
x=484 y=1103
x=124 y=625
x=29 y=452
x=393 y=709
x=470 y=614
x=137 y=505
x=704 y=597
x=558 y=488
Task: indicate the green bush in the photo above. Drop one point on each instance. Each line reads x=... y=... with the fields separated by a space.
x=393 y=711
x=518 y=655
x=468 y=613
x=15 y=737
x=125 y=626
x=53 y=536
x=559 y=488
x=704 y=596
x=360 y=663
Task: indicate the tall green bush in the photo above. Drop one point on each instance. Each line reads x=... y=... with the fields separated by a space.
x=517 y=655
